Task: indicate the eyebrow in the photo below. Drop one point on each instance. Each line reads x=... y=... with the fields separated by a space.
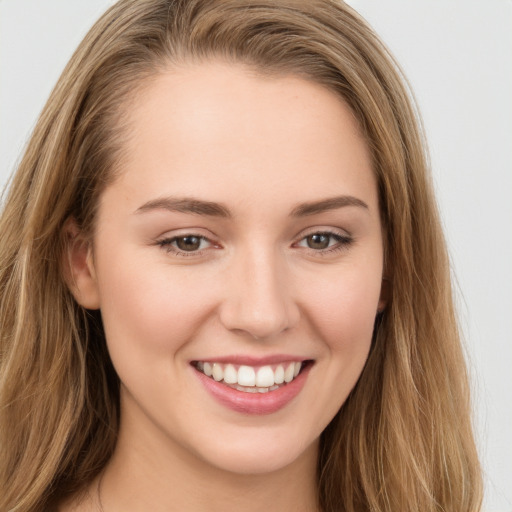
x=186 y=205
x=332 y=203
x=212 y=209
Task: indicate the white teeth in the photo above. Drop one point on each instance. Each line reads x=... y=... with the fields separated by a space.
x=288 y=373
x=246 y=376
x=249 y=379
x=265 y=377
x=230 y=374
x=279 y=375
x=207 y=369
x=217 y=372
x=247 y=390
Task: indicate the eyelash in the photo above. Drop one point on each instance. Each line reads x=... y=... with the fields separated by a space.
x=343 y=242
x=167 y=244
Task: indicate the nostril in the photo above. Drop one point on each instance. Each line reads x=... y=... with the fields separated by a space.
x=258 y=302
x=255 y=323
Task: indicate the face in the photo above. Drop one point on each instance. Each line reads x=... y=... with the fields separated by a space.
x=237 y=262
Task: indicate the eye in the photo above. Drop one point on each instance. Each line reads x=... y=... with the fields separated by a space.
x=325 y=241
x=319 y=240
x=188 y=243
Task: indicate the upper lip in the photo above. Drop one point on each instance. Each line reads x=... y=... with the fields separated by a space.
x=254 y=360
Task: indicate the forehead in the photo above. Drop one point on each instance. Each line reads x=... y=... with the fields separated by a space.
x=221 y=128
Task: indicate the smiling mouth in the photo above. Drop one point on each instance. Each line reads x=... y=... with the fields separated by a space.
x=251 y=379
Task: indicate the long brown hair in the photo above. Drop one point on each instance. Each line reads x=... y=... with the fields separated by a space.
x=403 y=440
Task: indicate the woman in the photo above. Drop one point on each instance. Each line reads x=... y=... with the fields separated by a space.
x=223 y=278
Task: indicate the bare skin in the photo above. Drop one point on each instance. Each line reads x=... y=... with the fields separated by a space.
x=244 y=224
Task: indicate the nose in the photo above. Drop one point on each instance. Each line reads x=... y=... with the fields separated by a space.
x=259 y=298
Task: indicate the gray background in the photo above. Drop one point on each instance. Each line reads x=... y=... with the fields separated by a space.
x=457 y=55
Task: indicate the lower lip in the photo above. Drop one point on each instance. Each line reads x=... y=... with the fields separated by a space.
x=254 y=403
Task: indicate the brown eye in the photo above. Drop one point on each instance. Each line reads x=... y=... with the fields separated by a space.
x=318 y=241
x=188 y=243
x=324 y=242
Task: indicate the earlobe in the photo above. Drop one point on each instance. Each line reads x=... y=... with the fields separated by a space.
x=78 y=266
x=385 y=292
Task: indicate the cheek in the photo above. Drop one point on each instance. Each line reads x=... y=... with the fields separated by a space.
x=344 y=308
x=341 y=311
x=149 y=312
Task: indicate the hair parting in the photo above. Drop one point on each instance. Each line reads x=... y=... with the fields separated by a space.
x=403 y=440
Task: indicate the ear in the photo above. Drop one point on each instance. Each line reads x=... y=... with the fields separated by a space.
x=78 y=266
x=385 y=294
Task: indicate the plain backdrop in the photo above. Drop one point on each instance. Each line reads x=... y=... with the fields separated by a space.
x=457 y=55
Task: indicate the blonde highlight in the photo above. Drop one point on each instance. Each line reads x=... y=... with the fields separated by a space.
x=403 y=440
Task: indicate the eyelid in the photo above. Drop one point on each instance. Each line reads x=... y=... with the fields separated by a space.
x=344 y=238
x=328 y=230
x=167 y=241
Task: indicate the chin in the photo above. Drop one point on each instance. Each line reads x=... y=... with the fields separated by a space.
x=258 y=453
